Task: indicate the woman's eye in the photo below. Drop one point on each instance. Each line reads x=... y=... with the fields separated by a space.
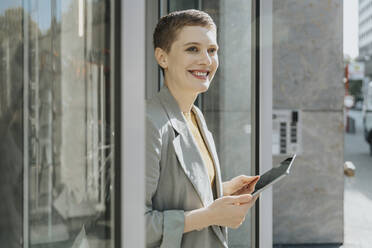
x=212 y=50
x=192 y=49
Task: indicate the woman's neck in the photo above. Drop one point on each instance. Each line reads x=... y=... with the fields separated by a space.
x=185 y=99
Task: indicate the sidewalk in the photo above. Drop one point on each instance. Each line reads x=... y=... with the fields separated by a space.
x=358 y=189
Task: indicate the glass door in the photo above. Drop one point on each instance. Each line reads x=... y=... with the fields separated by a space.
x=227 y=105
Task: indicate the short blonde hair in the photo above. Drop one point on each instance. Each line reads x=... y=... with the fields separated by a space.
x=168 y=26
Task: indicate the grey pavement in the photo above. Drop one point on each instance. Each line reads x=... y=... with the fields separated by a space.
x=358 y=189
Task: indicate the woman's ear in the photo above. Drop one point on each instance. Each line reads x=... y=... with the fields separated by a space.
x=161 y=57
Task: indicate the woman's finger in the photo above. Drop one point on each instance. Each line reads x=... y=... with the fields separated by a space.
x=252 y=179
x=247 y=188
x=239 y=199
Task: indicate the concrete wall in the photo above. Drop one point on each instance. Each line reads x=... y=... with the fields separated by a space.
x=307 y=75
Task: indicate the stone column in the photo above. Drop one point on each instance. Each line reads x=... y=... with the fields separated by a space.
x=308 y=76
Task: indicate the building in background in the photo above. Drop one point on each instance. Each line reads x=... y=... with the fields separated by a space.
x=72 y=142
x=365 y=36
x=365 y=28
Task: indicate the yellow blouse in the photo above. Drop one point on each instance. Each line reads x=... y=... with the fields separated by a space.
x=207 y=158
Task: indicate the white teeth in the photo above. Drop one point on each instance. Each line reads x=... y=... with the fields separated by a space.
x=198 y=73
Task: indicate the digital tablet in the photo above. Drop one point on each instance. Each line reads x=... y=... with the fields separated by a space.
x=275 y=174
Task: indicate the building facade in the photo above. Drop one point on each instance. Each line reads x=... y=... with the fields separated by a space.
x=365 y=28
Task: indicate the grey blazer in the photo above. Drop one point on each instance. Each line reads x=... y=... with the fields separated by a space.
x=176 y=177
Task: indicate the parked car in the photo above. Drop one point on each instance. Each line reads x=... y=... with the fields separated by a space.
x=367 y=115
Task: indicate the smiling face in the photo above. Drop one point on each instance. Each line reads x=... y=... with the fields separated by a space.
x=192 y=61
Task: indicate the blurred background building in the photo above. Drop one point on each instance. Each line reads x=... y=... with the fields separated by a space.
x=365 y=28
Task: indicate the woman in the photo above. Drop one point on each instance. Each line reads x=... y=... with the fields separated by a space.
x=187 y=205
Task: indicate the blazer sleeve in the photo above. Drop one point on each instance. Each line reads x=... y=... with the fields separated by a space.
x=164 y=228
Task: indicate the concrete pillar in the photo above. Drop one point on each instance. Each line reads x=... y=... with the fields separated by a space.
x=308 y=76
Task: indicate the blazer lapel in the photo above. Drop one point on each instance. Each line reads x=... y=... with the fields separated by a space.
x=196 y=172
x=189 y=156
x=194 y=168
x=186 y=149
x=208 y=138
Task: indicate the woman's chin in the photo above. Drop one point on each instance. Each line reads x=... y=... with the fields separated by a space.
x=202 y=86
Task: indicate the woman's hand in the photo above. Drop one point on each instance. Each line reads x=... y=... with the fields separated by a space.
x=240 y=185
x=230 y=211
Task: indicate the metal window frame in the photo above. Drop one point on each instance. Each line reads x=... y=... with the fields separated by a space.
x=132 y=123
x=255 y=114
x=262 y=233
x=115 y=115
x=265 y=215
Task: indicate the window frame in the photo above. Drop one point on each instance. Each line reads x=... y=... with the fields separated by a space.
x=132 y=139
x=263 y=120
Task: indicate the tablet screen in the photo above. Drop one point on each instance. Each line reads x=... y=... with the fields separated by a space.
x=273 y=175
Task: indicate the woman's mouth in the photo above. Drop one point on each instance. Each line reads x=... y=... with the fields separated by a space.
x=200 y=74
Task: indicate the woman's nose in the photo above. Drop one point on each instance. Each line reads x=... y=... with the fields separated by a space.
x=205 y=58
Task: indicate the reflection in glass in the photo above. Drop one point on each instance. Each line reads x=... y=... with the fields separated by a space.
x=227 y=103
x=11 y=144
x=68 y=135
x=183 y=4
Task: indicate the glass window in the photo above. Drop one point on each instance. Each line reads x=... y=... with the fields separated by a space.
x=183 y=4
x=227 y=103
x=57 y=59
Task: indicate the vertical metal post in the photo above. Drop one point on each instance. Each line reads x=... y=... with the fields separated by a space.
x=132 y=123
x=255 y=141
x=115 y=121
x=266 y=74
